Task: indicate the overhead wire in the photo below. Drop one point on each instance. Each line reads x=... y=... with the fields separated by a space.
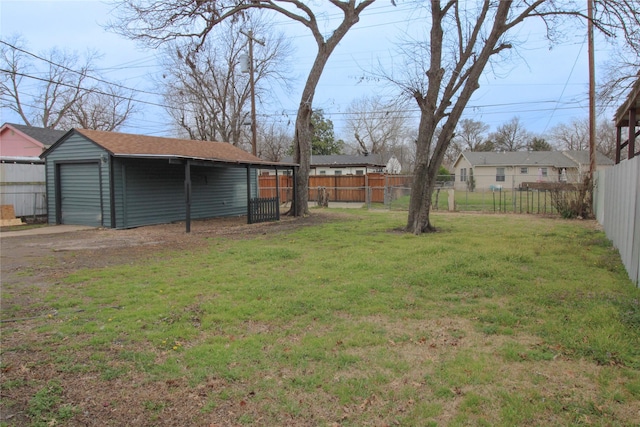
x=373 y=11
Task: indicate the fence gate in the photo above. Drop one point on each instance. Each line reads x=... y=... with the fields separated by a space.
x=264 y=209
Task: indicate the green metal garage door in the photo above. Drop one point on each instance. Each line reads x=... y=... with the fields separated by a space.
x=80 y=194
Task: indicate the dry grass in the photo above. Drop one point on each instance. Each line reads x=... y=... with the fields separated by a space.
x=495 y=320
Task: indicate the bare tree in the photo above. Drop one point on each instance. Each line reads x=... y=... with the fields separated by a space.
x=470 y=135
x=205 y=90
x=571 y=136
x=58 y=94
x=575 y=136
x=100 y=109
x=57 y=85
x=606 y=138
x=464 y=37
x=274 y=141
x=621 y=70
x=158 y=21
x=377 y=126
x=511 y=136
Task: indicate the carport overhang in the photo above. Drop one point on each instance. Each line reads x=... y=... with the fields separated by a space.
x=627 y=116
x=188 y=162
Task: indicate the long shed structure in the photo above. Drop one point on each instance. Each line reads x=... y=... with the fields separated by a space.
x=117 y=180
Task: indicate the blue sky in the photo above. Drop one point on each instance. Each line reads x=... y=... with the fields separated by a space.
x=542 y=86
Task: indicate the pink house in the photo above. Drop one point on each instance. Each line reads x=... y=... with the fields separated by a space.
x=26 y=141
x=22 y=172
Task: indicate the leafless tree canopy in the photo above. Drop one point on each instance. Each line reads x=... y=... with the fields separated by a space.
x=511 y=136
x=575 y=136
x=53 y=91
x=100 y=109
x=205 y=90
x=376 y=126
x=571 y=136
x=470 y=135
x=274 y=141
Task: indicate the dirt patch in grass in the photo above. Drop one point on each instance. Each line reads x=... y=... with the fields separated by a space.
x=33 y=262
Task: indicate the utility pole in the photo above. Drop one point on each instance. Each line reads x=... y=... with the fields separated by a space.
x=592 y=103
x=252 y=86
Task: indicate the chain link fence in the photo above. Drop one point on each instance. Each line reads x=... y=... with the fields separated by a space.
x=527 y=198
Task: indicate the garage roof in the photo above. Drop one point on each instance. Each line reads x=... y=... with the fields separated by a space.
x=632 y=101
x=132 y=145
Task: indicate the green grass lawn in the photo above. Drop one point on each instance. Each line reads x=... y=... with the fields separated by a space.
x=495 y=320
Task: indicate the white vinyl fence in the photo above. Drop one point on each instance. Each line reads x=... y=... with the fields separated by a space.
x=617 y=199
x=22 y=185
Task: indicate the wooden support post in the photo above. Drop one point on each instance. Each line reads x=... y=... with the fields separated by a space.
x=632 y=133
x=248 y=194
x=618 y=142
x=187 y=196
x=277 y=195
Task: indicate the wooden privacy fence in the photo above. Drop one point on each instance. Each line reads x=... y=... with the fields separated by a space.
x=370 y=188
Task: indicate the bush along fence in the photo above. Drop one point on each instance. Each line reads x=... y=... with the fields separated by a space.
x=393 y=192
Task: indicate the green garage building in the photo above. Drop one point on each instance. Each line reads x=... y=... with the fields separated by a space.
x=116 y=180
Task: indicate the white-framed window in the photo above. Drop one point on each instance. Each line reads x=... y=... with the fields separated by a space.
x=337 y=172
x=524 y=171
x=500 y=175
x=359 y=172
x=463 y=175
x=322 y=172
x=544 y=172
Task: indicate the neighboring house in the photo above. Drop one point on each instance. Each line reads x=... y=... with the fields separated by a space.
x=26 y=141
x=486 y=170
x=118 y=180
x=22 y=177
x=393 y=166
x=343 y=164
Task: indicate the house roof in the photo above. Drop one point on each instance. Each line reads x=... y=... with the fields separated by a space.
x=45 y=136
x=519 y=158
x=583 y=157
x=632 y=101
x=343 y=160
x=132 y=145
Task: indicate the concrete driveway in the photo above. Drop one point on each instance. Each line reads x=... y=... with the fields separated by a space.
x=51 y=229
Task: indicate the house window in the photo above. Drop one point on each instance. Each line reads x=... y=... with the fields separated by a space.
x=359 y=172
x=544 y=172
x=322 y=172
x=499 y=174
x=337 y=172
x=463 y=175
x=524 y=171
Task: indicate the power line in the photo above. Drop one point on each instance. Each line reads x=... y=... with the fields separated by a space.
x=96 y=91
x=75 y=71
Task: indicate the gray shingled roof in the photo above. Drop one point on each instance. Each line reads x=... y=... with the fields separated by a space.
x=43 y=135
x=519 y=158
x=343 y=160
x=582 y=157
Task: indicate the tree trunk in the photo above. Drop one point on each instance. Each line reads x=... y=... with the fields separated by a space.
x=302 y=156
x=304 y=131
